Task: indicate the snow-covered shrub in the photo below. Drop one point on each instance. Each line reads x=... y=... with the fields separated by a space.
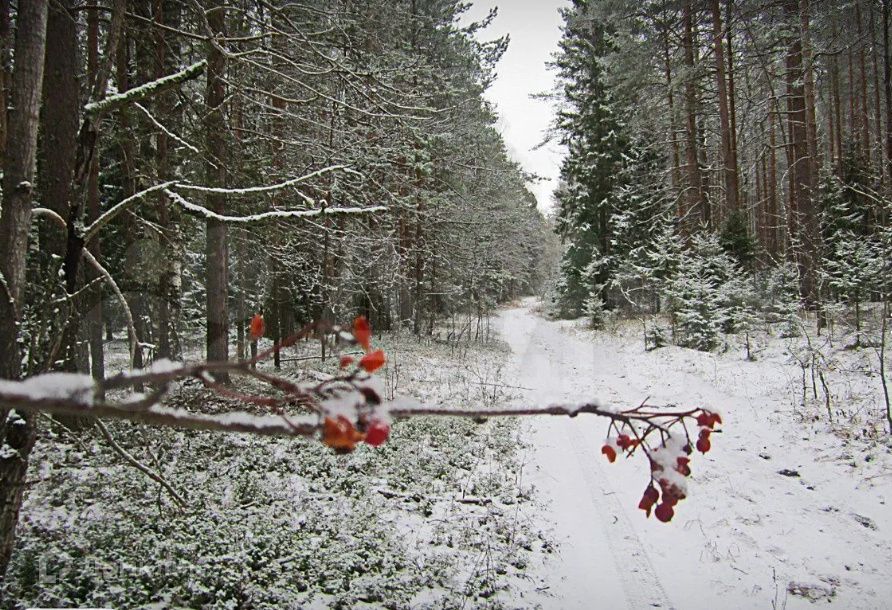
x=853 y=270
x=595 y=312
x=780 y=298
x=708 y=295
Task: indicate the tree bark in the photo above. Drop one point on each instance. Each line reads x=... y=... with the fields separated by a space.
x=56 y=159
x=729 y=171
x=864 y=118
x=5 y=46
x=673 y=130
x=94 y=316
x=694 y=188
x=216 y=250
x=168 y=284
x=771 y=187
x=802 y=213
x=811 y=128
x=877 y=107
x=887 y=83
x=732 y=96
x=15 y=221
x=835 y=93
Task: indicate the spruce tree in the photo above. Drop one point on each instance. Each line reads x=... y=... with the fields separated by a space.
x=591 y=131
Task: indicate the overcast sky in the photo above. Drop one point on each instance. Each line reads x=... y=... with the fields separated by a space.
x=534 y=27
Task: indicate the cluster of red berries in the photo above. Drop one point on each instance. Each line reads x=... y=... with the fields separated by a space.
x=672 y=488
x=623 y=442
x=339 y=432
x=707 y=422
x=669 y=465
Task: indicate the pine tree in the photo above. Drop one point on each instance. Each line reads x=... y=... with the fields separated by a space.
x=737 y=240
x=643 y=241
x=591 y=131
x=709 y=295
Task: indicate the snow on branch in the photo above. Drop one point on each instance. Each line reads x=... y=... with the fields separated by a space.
x=107 y=216
x=143 y=91
x=348 y=408
x=266 y=188
x=167 y=132
x=199 y=210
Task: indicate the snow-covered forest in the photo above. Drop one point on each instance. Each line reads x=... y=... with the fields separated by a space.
x=283 y=325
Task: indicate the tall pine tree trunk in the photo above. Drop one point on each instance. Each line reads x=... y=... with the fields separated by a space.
x=673 y=129
x=216 y=250
x=802 y=212
x=887 y=82
x=15 y=221
x=56 y=161
x=877 y=107
x=732 y=96
x=5 y=46
x=864 y=115
x=729 y=171
x=94 y=317
x=694 y=193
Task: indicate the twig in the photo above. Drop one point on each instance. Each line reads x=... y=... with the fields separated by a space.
x=140 y=466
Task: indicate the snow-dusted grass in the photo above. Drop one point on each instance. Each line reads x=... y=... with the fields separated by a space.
x=787 y=507
x=437 y=517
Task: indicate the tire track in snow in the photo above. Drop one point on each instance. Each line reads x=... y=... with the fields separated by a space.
x=640 y=582
x=602 y=557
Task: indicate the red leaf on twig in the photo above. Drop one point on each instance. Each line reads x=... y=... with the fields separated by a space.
x=362 y=332
x=258 y=327
x=373 y=361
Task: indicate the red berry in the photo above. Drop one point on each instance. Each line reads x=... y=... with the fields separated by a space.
x=610 y=452
x=705 y=420
x=648 y=499
x=671 y=493
x=682 y=466
x=664 y=512
x=623 y=441
x=346 y=361
x=705 y=432
x=716 y=418
x=703 y=444
x=377 y=433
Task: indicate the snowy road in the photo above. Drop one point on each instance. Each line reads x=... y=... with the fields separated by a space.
x=597 y=543
x=747 y=536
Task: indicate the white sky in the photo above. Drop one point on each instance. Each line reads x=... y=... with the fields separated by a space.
x=534 y=27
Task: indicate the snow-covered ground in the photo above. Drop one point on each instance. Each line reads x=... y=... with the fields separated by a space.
x=785 y=509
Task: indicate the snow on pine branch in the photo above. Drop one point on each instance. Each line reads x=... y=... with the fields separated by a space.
x=267 y=188
x=167 y=132
x=143 y=91
x=209 y=214
x=112 y=212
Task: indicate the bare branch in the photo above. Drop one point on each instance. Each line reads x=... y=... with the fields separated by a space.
x=139 y=465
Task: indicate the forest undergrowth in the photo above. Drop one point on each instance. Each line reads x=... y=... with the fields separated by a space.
x=438 y=517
